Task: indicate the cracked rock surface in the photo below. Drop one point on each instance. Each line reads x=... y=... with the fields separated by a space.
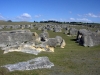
x=37 y=63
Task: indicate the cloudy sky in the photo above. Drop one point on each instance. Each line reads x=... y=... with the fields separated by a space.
x=60 y=10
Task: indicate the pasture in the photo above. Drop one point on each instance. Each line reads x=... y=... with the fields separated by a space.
x=71 y=60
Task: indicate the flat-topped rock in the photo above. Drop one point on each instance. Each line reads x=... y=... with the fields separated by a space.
x=36 y=63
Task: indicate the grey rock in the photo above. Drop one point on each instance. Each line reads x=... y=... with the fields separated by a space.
x=53 y=42
x=37 y=63
x=59 y=40
x=15 y=26
x=14 y=37
x=98 y=31
x=88 y=38
x=27 y=26
x=8 y=27
x=2 y=26
x=40 y=28
x=31 y=27
x=66 y=32
x=44 y=36
x=57 y=29
x=73 y=31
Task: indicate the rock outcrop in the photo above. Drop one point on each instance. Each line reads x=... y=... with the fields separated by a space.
x=37 y=63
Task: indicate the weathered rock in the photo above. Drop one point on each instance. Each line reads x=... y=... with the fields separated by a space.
x=27 y=26
x=73 y=31
x=80 y=33
x=31 y=27
x=8 y=38
x=98 y=31
x=25 y=48
x=44 y=36
x=49 y=28
x=57 y=41
x=2 y=26
x=37 y=63
x=40 y=27
x=22 y=26
x=8 y=27
x=57 y=29
x=66 y=32
x=15 y=26
x=88 y=38
x=36 y=37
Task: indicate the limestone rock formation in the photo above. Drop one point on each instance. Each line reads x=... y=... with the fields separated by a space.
x=73 y=31
x=44 y=36
x=37 y=63
x=88 y=38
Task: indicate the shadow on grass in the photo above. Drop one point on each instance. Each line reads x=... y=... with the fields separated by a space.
x=73 y=39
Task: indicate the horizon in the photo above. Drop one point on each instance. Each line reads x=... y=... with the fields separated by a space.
x=44 y=10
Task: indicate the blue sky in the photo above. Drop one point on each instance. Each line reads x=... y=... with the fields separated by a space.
x=60 y=10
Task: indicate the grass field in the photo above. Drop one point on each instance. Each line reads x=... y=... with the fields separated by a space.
x=72 y=60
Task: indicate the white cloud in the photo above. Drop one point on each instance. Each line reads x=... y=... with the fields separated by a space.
x=80 y=19
x=72 y=19
x=24 y=17
x=1 y=17
x=37 y=16
x=83 y=20
x=91 y=15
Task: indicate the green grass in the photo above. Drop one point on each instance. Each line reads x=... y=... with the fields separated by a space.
x=72 y=60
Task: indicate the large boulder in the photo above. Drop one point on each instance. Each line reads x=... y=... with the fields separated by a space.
x=8 y=27
x=2 y=26
x=80 y=33
x=40 y=27
x=22 y=26
x=15 y=26
x=57 y=29
x=31 y=27
x=98 y=31
x=14 y=37
x=88 y=38
x=27 y=26
x=73 y=31
x=44 y=36
x=57 y=41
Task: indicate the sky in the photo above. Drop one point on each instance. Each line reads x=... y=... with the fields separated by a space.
x=42 y=10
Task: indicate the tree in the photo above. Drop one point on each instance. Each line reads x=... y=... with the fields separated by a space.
x=9 y=21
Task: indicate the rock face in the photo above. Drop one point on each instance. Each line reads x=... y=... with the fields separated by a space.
x=2 y=26
x=57 y=41
x=28 y=42
x=73 y=31
x=57 y=29
x=37 y=63
x=88 y=38
x=25 y=48
x=80 y=33
x=8 y=38
x=44 y=36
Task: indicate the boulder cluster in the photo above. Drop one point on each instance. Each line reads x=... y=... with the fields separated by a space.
x=29 y=42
